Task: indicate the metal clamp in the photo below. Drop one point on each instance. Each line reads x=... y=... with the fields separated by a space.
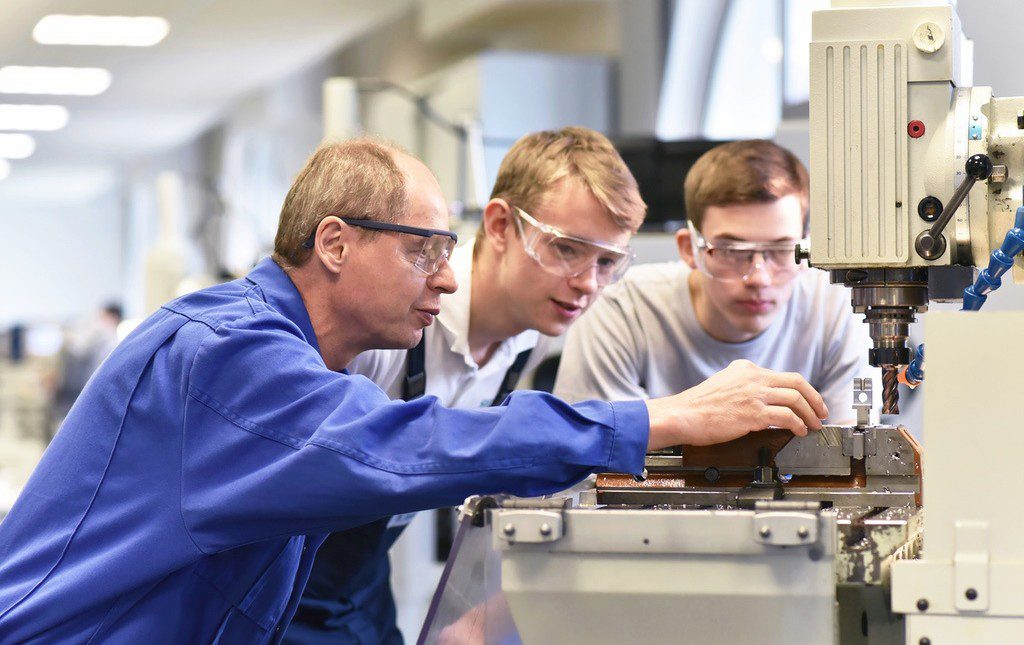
x=529 y=527
x=786 y=523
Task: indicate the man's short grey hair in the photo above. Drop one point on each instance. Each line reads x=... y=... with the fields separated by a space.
x=356 y=178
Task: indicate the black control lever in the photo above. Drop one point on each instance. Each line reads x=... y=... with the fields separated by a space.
x=930 y=244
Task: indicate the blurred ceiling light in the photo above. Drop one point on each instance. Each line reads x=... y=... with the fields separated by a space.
x=5 y=169
x=32 y=117
x=16 y=146
x=80 y=81
x=115 y=31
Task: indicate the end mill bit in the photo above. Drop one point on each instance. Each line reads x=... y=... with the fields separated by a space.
x=890 y=390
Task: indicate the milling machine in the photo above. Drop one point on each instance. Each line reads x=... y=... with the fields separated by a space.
x=915 y=180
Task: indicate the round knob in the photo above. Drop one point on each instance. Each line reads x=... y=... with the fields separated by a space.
x=930 y=246
x=978 y=167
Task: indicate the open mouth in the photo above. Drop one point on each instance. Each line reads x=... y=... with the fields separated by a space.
x=567 y=309
x=427 y=316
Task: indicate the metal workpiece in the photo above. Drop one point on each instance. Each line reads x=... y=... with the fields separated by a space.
x=863 y=400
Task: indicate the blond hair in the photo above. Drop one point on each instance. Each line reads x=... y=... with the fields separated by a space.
x=538 y=161
x=357 y=178
x=754 y=171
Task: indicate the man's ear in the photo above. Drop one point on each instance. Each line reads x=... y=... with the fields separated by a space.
x=333 y=243
x=684 y=244
x=498 y=224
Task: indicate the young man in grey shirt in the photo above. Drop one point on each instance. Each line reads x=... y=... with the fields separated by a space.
x=737 y=294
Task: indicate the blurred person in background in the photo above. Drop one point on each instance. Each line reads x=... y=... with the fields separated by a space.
x=85 y=347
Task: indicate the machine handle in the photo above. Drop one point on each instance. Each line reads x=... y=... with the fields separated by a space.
x=930 y=244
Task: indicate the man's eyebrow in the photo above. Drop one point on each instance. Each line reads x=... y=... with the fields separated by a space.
x=732 y=238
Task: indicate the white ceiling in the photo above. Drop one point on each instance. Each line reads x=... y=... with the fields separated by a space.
x=163 y=96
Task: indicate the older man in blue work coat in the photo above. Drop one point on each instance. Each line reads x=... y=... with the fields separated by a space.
x=186 y=494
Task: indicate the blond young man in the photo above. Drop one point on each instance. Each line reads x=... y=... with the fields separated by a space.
x=554 y=234
x=737 y=294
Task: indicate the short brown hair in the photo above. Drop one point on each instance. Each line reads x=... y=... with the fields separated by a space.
x=754 y=171
x=538 y=161
x=356 y=178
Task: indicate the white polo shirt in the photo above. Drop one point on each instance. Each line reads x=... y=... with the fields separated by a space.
x=452 y=374
x=642 y=339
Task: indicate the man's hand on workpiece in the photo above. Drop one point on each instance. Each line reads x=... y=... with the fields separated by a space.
x=741 y=398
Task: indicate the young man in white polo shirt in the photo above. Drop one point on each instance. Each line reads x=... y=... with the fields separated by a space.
x=554 y=234
x=737 y=294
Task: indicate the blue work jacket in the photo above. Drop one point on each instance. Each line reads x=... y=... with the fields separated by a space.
x=186 y=494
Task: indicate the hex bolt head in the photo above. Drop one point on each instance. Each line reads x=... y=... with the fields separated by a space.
x=802 y=532
x=922 y=604
x=764 y=531
x=971 y=594
x=509 y=529
x=545 y=529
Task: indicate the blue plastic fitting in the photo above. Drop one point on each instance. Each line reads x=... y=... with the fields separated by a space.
x=916 y=368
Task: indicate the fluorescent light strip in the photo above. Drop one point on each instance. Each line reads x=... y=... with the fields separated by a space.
x=111 y=31
x=79 y=81
x=16 y=146
x=44 y=118
x=5 y=169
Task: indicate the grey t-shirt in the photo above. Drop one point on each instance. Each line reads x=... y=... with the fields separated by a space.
x=642 y=339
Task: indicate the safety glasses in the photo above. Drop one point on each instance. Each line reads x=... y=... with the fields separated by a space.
x=437 y=248
x=737 y=260
x=569 y=256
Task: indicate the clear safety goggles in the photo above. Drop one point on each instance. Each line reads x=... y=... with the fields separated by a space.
x=737 y=260
x=436 y=250
x=569 y=256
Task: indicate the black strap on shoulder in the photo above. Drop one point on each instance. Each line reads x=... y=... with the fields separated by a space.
x=415 y=383
x=512 y=376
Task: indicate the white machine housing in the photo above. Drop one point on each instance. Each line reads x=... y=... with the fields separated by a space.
x=877 y=69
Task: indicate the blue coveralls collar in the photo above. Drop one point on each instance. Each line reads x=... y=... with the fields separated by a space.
x=282 y=295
